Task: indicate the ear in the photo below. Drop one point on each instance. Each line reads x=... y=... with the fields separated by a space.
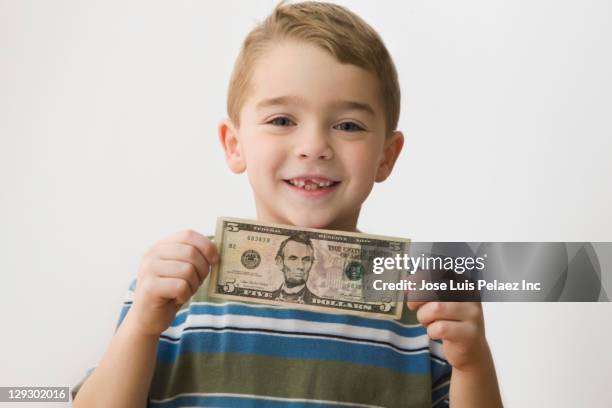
x=392 y=149
x=228 y=136
x=279 y=261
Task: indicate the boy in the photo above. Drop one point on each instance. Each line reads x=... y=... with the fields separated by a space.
x=313 y=104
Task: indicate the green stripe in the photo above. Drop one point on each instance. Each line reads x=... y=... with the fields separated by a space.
x=408 y=316
x=289 y=378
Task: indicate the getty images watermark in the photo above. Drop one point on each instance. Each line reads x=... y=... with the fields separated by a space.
x=494 y=271
x=458 y=265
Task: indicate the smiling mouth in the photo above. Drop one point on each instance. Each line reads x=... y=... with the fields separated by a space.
x=311 y=184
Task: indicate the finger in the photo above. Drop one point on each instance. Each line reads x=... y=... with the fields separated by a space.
x=452 y=331
x=199 y=241
x=415 y=305
x=433 y=311
x=171 y=289
x=176 y=251
x=177 y=270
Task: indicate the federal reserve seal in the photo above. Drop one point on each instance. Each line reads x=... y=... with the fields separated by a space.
x=250 y=259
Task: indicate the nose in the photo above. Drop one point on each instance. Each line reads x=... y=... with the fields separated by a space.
x=314 y=144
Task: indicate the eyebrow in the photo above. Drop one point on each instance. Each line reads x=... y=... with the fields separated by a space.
x=296 y=100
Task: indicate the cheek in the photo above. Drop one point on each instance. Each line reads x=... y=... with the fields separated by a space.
x=262 y=155
x=362 y=161
x=252 y=150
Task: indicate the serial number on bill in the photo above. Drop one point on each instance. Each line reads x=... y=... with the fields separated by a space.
x=257 y=238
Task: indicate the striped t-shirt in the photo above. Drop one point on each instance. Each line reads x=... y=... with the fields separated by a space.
x=226 y=354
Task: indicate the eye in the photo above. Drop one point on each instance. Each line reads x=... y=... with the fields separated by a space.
x=280 y=121
x=349 y=127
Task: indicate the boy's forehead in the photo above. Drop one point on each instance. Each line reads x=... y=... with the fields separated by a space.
x=306 y=76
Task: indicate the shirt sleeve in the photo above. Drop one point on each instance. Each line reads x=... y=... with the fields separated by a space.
x=441 y=372
x=128 y=298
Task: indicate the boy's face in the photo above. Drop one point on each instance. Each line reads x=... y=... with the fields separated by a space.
x=311 y=137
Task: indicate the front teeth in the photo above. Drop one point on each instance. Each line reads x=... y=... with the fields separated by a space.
x=311 y=185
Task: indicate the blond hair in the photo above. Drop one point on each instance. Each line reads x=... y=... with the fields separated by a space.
x=333 y=28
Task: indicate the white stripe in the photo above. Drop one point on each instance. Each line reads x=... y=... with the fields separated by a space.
x=437 y=350
x=351 y=341
x=444 y=398
x=291 y=326
x=253 y=305
x=261 y=397
x=129 y=296
x=444 y=384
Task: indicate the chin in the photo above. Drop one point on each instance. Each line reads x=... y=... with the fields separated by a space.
x=313 y=221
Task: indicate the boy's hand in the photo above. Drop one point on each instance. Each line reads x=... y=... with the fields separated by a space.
x=461 y=327
x=170 y=273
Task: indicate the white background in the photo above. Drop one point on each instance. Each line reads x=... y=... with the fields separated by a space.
x=108 y=143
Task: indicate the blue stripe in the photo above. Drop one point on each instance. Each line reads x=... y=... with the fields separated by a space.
x=237 y=402
x=293 y=347
x=439 y=369
x=282 y=313
x=124 y=311
x=440 y=392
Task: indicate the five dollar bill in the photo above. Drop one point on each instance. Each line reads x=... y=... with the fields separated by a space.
x=323 y=270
